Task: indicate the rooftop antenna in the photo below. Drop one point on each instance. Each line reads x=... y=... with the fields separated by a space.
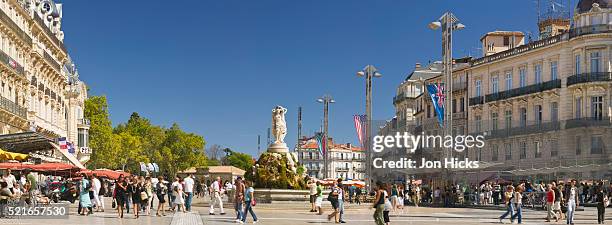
x=258 y=144
x=299 y=132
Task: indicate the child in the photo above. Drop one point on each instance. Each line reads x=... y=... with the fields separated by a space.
x=388 y=207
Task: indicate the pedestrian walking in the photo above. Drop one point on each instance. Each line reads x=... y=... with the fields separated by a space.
x=249 y=202
x=161 y=191
x=333 y=199
x=517 y=200
x=189 y=184
x=239 y=199
x=558 y=200
x=379 y=204
x=84 y=198
x=312 y=191
x=394 y=193
x=550 y=201
x=319 y=201
x=602 y=203
x=341 y=198
x=101 y=193
x=120 y=194
x=216 y=197
x=508 y=196
x=148 y=188
x=179 y=199
x=388 y=207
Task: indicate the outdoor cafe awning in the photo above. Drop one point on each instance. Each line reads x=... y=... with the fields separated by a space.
x=44 y=168
x=25 y=142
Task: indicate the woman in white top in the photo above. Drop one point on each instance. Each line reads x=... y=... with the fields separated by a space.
x=179 y=199
x=518 y=202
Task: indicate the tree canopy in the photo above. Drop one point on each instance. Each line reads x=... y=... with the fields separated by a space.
x=138 y=140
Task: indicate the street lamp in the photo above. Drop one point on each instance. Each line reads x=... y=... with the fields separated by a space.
x=448 y=23
x=326 y=99
x=368 y=72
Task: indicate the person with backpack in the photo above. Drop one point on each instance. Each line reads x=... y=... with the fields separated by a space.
x=161 y=191
x=508 y=196
x=333 y=199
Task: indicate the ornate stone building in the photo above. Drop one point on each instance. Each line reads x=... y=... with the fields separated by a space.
x=40 y=88
x=345 y=160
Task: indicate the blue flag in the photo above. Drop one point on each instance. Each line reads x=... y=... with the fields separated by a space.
x=436 y=92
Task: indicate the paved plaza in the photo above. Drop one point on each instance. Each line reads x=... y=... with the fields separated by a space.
x=296 y=213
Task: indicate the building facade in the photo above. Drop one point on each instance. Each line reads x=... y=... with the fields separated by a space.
x=40 y=88
x=544 y=106
x=345 y=160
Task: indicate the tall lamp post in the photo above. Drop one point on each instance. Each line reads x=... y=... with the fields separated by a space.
x=369 y=72
x=449 y=23
x=326 y=99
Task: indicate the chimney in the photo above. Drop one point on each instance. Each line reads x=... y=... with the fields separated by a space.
x=348 y=145
x=417 y=66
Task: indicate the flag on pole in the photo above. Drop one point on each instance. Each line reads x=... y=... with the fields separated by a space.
x=71 y=149
x=63 y=143
x=360 y=121
x=321 y=140
x=436 y=91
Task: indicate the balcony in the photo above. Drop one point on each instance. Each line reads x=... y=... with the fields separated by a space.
x=459 y=86
x=11 y=63
x=592 y=29
x=13 y=108
x=588 y=122
x=342 y=169
x=52 y=62
x=589 y=77
x=402 y=96
x=532 y=128
x=478 y=100
x=13 y=26
x=83 y=122
x=47 y=31
x=520 y=49
x=530 y=89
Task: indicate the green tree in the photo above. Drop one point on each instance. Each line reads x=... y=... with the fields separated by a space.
x=100 y=132
x=186 y=149
x=239 y=160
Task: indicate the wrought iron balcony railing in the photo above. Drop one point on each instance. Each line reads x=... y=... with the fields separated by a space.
x=12 y=107
x=478 y=100
x=530 y=89
x=591 y=29
x=588 y=122
x=589 y=77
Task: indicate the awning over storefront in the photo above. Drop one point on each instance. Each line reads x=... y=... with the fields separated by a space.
x=25 y=142
x=44 y=168
x=5 y=155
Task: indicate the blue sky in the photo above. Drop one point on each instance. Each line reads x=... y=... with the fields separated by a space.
x=218 y=67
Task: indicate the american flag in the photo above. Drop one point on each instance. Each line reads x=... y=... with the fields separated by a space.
x=360 y=121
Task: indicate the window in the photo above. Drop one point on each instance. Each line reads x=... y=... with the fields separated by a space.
x=523 y=77
x=595 y=59
x=538 y=113
x=578 y=145
x=478 y=84
x=577 y=64
x=508 y=116
x=478 y=120
x=494 y=121
x=596 y=145
x=508 y=151
x=578 y=110
x=554 y=148
x=506 y=41
x=494 y=153
x=508 y=80
x=538 y=73
x=537 y=147
x=597 y=107
x=428 y=111
x=523 y=117
x=454 y=105
x=462 y=103
x=479 y=154
x=494 y=84
x=553 y=70
x=523 y=152
x=554 y=111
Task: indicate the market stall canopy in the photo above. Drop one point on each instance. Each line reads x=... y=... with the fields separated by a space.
x=110 y=174
x=4 y=155
x=25 y=142
x=45 y=168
